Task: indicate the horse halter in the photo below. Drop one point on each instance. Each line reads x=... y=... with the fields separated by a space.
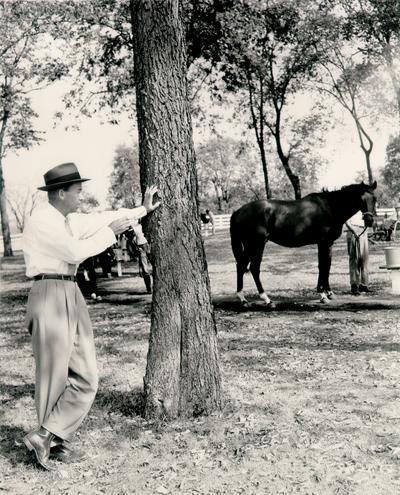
x=368 y=214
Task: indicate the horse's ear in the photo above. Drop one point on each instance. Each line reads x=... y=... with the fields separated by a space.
x=374 y=184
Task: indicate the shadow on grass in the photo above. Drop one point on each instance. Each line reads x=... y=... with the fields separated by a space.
x=12 y=447
x=259 y=351
x=305 y=306
x=126 y=403
x=14 y=393
x=14 y=297
x=123 y=297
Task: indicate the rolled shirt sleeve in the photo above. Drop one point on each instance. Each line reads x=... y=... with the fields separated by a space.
x=85 y=225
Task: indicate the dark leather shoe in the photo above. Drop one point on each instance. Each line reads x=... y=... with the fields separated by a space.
x=66 y=454
x=39 y=441
x=354 y=290
x=363 y=288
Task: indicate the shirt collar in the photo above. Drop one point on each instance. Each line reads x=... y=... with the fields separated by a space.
x=56 y=213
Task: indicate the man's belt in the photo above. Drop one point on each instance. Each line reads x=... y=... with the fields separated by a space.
x=54 y=276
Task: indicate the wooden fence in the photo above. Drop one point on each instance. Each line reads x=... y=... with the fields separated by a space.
x=221 y=222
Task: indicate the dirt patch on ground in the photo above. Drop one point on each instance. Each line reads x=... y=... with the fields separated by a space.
x=312 y=394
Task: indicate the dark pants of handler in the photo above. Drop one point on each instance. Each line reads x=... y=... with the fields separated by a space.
x=357 y=248
x=64 y=352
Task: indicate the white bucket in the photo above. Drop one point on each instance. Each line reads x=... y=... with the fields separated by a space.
x=392 y=255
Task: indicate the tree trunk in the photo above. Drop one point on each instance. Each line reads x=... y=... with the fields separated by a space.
x=265 y=170
x=262 y=144
x=182 y=375
x=369 y=168
x=5 y=224
x=366 y=143
x=367 y=149
x=294 y=178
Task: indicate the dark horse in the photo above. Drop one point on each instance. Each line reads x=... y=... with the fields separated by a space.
x=317 y=218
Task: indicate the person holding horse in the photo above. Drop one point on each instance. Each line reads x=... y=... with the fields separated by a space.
x=357 y=248
x=55 y=241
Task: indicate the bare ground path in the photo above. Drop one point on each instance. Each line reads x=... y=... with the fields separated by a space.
x=312 y=391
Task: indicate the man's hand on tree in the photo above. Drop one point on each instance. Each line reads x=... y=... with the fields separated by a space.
x=149 y=197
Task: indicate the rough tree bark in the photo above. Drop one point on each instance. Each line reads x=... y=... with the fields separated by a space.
x=182 y=375
x=5 y=223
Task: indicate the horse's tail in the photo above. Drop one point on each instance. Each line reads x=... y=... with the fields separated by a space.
x=237 y=243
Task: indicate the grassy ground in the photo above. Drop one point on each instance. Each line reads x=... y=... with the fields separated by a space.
x=312 y=394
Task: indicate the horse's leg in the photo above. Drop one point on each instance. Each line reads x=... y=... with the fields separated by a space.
x=241 y=268
x=329 y=292
x=324 y=266
x=255 y=264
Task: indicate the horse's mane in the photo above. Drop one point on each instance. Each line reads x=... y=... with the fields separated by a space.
x=351 y=188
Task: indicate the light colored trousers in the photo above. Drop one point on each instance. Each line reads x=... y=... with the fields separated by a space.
x=63 y=348
x=358 y=256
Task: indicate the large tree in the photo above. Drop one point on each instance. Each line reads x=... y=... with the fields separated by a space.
x=182 y=375
x=27 y=64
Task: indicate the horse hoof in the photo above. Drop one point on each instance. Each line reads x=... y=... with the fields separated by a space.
x=324 y=299
x=270 y=305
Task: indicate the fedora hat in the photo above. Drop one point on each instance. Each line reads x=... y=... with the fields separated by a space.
x=60 y=176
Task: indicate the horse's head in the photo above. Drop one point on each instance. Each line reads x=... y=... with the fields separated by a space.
x=368 y=203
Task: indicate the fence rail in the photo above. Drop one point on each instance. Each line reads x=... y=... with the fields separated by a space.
x=221 y=222
x=390 y=212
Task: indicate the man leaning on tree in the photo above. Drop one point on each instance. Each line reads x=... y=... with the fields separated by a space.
x=56 y=239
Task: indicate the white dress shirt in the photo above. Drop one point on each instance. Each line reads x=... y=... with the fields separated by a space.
x=53 y=243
